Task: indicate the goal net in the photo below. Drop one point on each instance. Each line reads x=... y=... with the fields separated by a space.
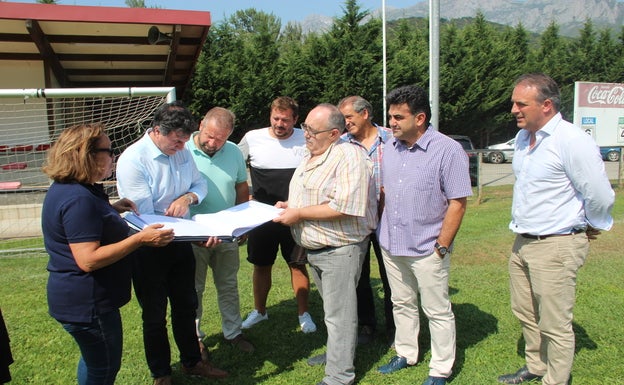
x=32 y=119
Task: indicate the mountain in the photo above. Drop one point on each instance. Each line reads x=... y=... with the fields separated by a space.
x=535 y=15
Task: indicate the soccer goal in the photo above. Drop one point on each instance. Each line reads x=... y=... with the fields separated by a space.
x=32 y=119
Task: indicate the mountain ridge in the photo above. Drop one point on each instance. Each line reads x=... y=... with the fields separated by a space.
x=535 y=15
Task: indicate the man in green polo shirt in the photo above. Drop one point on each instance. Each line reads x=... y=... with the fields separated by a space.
x=222 y=164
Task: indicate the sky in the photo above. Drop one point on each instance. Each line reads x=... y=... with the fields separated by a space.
x=286 y=10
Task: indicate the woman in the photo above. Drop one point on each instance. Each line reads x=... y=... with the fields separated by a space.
x=87 y=241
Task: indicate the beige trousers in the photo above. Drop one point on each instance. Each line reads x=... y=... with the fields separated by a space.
x=542 y=276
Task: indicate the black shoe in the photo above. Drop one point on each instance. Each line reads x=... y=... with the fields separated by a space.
x=522 y=375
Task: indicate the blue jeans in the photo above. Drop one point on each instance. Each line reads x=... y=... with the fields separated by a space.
x=100 y=344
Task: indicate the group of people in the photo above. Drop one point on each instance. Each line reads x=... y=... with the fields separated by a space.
x=344 y=185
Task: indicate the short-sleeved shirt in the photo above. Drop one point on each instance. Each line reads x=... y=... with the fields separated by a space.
x=342 y=177
x=222 y=171
x=75 y=213
x=153 y=180
x=418 y=182
x=272 y=162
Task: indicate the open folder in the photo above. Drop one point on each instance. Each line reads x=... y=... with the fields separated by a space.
x=227 y=224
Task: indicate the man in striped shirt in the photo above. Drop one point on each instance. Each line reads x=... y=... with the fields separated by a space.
x=425 y=182
x=362 y=132
x=332 y=209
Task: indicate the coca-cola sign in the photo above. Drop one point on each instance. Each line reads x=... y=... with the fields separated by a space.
x=601 y=95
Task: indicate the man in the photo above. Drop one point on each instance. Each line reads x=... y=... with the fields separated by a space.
x=159 y=175
x=425 y=182
x=222 y=165
x=273 y=154
x=361 y=131
x=562 y=198
x=332 y=210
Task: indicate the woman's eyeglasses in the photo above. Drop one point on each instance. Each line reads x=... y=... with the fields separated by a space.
x=110 y=151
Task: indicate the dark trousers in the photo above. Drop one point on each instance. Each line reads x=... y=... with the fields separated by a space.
x=160 y=274
x=364 y=291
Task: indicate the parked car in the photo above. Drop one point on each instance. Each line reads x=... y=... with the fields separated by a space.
x=499 y=153
x=473 y=162
x=612 y=154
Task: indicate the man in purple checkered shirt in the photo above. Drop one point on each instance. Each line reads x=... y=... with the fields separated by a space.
x=425 y=182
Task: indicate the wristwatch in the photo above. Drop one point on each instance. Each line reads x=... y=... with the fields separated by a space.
x=441 y=249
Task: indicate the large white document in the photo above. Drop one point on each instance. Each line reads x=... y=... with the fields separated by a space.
x=226 y=224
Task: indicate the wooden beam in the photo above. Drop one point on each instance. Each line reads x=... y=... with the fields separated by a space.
x=47 y=53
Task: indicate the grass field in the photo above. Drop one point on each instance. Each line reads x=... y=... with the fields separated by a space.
x=489 y=339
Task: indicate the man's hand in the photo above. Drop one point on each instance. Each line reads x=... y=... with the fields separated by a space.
x=211 y=242
x=592 y=233
x=179 y=207
x=288 y=217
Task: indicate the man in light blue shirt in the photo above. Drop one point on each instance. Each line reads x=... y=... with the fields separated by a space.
x=222 y=165
x=159 y=175
x=562 y=198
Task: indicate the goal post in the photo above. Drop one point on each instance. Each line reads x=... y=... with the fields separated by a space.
x=32 y=119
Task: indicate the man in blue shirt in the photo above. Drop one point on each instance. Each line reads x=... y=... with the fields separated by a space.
x=562 y=198
x=158 y=173
x=425 y=182
x=222 y=165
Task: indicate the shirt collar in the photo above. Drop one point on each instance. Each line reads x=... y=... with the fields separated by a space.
x=422 y=142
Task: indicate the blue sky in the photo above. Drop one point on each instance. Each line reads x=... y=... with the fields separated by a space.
x=286 y=10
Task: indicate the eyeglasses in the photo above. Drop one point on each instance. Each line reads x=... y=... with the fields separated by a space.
x=308 y=130
x=110 y=151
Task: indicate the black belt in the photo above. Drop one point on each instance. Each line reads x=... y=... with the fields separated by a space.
x=326 y=248
x=540 y=237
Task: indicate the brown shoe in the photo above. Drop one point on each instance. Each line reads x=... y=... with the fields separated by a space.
x=241 y=343
x=204 y=369
x=166 y=380
x=205 y=355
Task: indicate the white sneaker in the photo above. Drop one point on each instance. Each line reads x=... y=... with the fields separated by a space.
x=307 y=325
x=253 y=318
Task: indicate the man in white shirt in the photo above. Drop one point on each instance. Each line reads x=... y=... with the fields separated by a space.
x=562 y=198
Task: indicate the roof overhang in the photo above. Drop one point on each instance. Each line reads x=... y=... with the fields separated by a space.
x=85 y=46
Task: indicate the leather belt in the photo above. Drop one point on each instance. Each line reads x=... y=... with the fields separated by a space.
x=322 y=249
x=540 y=237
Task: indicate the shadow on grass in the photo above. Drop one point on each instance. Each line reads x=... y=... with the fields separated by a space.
x=473 y=326
x=279 y=346
x=582 y=341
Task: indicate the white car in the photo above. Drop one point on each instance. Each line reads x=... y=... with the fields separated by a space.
x=499 y=153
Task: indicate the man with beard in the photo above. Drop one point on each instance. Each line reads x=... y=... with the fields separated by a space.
x=273 y=154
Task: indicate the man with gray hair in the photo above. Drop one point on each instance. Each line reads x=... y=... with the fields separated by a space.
x=362 y=132
x=332 y=209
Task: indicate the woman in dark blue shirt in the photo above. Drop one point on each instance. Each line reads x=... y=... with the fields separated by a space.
x=87 y=241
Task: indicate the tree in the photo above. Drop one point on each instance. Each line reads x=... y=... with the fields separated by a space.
x=350 y=55
x=136 y=3
x=238 y=69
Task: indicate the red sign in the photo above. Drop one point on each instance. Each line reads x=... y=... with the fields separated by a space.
x=601 y=95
